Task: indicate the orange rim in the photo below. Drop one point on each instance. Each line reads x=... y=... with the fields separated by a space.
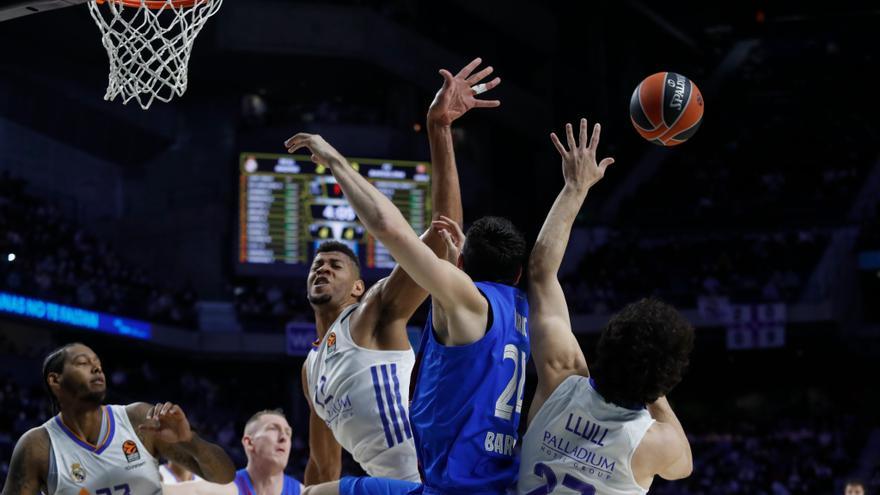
x=155 y=4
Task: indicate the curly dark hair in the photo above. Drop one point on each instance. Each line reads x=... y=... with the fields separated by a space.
x=642 y=353
x=494 y=251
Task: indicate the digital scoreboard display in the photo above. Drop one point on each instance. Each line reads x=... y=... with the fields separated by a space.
x=289 y=205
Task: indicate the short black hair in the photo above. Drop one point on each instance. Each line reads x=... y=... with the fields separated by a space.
x=339 y=247
x=494 y=251
x=642 y=353
x=54 y=363
x=855 y=482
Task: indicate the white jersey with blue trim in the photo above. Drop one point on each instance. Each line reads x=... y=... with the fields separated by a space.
x=580 y=443
x=118 y=465
x=169 y=478
x=363 y=396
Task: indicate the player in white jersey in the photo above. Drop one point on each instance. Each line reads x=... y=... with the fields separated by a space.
x=95 y=449
x=357 y=379
x=173 y=473
x=612 y=432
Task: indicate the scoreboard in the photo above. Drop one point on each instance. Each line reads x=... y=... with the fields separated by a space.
x=289 y=205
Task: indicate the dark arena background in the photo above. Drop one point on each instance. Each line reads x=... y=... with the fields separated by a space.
x=136 y=232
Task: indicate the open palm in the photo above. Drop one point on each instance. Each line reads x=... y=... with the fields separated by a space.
x=457 y=94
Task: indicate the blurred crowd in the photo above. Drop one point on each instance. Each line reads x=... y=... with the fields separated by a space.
x=791 y=457
x=45 y=255
x=748 y=267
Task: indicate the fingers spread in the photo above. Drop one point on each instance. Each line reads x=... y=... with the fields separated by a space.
x=466 y=71
x=594 y=139
x=487 y=103
x=493 y=83
x=479 y=76
x=583 y=135
x=557 y=143
x=447 y=76
x=605 y=163
x=569 y=134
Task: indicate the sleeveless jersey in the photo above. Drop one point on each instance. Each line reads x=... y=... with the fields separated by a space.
x=118 y=465
x=579 y=443
x=468 y=398
x=245 y=485
x=169 y=478
x=363 y=396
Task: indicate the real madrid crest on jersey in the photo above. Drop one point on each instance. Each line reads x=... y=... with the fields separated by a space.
x=77 y=472
x=331 y=343
x=130 y=450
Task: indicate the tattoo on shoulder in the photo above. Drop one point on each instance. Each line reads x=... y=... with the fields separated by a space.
x=30 y=455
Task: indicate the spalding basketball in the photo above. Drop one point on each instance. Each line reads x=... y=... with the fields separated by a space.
x=666 y=108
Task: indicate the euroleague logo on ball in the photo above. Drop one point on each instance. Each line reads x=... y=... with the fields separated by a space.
x=666 y=108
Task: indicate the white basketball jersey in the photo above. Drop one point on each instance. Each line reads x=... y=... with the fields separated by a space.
x=169 y=478
x=579 y=443
x=363 y=396
x=118 y=465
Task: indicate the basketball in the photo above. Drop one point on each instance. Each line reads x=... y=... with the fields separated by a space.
x=666 y=108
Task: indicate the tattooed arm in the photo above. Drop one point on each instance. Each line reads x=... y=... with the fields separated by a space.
x=29 y=466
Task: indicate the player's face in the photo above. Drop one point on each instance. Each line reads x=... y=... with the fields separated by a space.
x=854 y=490
x=270 y=441
x=332 y=278
x=82 y=377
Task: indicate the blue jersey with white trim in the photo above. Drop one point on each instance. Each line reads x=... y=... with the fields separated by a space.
x=245 y=485
x=466 y=407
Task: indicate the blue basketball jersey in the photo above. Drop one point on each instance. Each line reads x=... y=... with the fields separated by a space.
x=246 y=486
x=467 y=401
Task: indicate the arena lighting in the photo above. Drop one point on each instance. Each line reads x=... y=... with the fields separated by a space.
x=11 y=257
x=75 y=317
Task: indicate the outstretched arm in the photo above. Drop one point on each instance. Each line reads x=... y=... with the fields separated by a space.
x=165 y=428
x=554 y=347
x=400 y=295
x=450 y=287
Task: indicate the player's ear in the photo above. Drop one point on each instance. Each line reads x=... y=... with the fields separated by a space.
x=53 y=379
x=358 y=289
x=246 y=442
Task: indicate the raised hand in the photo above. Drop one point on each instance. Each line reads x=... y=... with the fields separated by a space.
x=458 y=93
x=322 y=152
x=579 y=166
x=167 y=423
x=452 y=236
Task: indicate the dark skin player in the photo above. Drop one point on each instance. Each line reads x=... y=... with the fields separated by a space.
x=76 y=381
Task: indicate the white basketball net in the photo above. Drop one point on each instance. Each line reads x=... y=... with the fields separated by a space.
x=149 y=49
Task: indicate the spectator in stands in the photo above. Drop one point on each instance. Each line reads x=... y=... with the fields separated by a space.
x=854 y=487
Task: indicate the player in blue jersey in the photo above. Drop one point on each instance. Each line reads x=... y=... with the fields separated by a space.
x=266 y=441
x=357 y=378
x=468 y=394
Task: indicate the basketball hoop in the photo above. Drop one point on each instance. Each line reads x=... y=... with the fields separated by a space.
x=149 y=43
